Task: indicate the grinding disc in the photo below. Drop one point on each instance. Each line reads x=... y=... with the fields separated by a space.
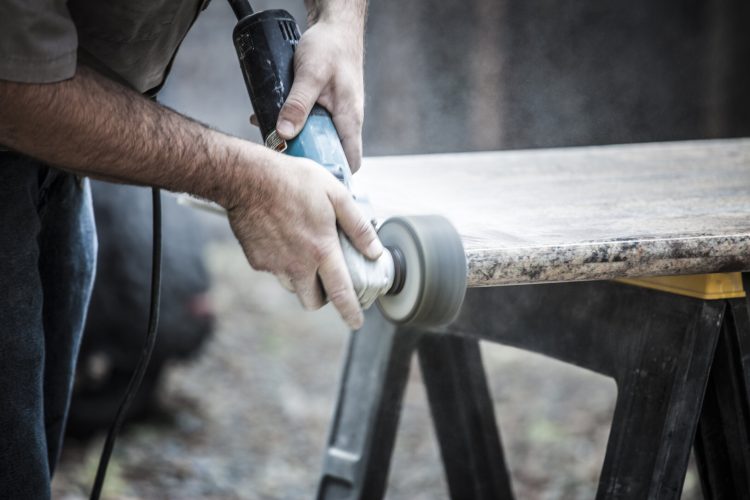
x=435 y=270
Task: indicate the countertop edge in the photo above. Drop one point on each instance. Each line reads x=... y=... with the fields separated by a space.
x=608 y=260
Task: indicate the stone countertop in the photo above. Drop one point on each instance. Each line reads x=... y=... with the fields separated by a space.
x=575 y=214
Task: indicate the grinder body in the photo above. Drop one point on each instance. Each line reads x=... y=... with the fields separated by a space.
x=265 y=43
x=425 y=283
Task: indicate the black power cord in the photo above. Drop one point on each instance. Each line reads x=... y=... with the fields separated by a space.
x=241 y=8
x=148 y=348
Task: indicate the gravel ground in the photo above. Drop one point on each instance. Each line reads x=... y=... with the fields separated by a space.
x=248 y=418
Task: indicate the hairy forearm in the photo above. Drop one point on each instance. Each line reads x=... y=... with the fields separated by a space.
x=94 y=126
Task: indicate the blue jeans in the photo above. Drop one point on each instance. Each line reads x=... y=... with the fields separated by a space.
x=47 y=262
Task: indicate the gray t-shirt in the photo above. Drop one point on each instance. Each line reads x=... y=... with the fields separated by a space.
x=130 y=40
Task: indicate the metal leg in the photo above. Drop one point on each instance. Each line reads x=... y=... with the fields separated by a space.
x=464 y=418
x=661 y=385
x=722 y=445
x=363 y=431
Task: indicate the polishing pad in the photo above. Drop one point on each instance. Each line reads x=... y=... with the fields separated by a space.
x=433 y=274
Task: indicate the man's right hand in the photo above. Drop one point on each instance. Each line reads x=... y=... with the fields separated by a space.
x=284 y=210
x=285 y=216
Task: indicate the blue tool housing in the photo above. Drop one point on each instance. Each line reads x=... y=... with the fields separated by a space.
x=265 y=43
x=319 y=141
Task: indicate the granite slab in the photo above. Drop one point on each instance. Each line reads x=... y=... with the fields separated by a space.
x=574 y=214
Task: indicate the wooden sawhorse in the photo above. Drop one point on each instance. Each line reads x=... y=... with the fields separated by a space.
x=681 y=364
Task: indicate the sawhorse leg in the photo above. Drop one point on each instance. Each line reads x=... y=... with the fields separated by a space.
x=464 y=419
x=360 y=444
x=660 y=394
x=363 y=433
x=722 y=445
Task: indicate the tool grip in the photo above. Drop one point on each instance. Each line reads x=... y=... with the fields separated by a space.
x=320 y=141
x=265 y=43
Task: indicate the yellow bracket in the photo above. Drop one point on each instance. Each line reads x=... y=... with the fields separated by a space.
x=714 y=286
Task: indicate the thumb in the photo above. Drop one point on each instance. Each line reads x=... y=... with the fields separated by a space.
x=355 y=225
x=302 y=96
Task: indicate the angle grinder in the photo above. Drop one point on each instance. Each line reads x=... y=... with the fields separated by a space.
x=421 y=278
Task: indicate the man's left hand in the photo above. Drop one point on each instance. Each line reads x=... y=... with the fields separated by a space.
x=328 y=70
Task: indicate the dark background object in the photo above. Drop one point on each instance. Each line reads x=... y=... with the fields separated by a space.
x=468 y=75
x=471 y=75
x=118 y=313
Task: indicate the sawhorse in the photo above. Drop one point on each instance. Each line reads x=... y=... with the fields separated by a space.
x=681 y=364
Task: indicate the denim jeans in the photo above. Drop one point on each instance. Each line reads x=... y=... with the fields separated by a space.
x=47 y=262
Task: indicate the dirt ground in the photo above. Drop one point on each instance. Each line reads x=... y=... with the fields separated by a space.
x=247 y=419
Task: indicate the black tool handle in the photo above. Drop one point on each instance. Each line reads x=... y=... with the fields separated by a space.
x=265 y=43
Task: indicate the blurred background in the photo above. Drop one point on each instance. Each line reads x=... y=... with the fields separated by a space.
x=238 y=401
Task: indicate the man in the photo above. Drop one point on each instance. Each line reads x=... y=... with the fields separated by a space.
x=71 y=78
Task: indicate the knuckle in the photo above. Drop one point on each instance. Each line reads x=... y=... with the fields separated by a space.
x=296 y=271
x=336 y=196
x=351 y=129
x=321 y=251
x=358 y=119
x=286 y=282
x=316 y=74
x=350 y=124
x=305 y=301
x=294 y=106
x=314 y=304
x=339 y=295
x=258 y=262
x=319 y=74
x=363 y=229
x=297 y=104
x=355 y=110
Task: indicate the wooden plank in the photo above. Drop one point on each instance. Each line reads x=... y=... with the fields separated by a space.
x=574 y=214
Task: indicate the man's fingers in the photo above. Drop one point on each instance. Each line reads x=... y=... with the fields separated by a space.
x=355 y=225
x=349 y=128
x=339 y=289
x=305 y=91
x=353 y=151
x=310 y=292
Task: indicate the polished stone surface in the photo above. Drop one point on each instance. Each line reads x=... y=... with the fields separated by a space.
x=574 y=214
